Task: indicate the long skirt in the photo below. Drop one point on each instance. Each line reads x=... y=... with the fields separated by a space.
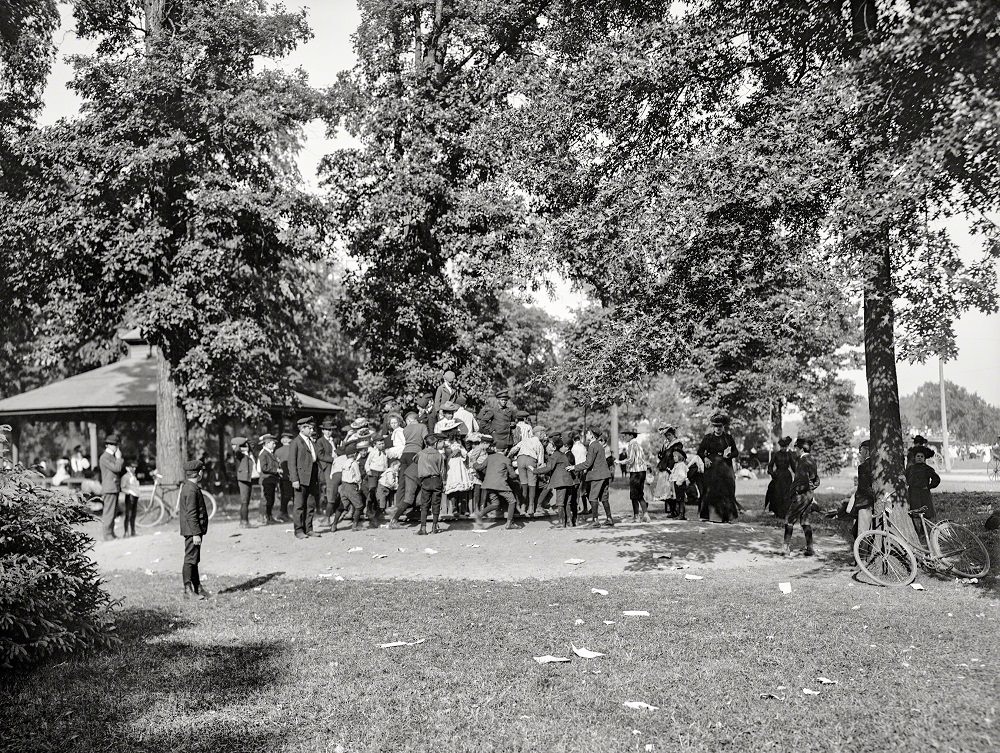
x=779 y=491
x=720 y=492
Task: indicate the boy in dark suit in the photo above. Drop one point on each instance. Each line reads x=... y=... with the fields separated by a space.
x=270 y=477
x=325 y=457
x=303 y=471
x=194 y=525
x=244 y=477
x=561 y=481
x=498 y=479
x=285 y=488
x=431 y=472
x=801 y=502
x=597 y=475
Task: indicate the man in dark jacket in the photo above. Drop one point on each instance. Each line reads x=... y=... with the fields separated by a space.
x=303 y=471
x=194 y=525
x=498 y=421
x=597 y=475
x=112 y=466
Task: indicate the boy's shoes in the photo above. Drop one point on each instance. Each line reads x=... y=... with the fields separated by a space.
x=356 y=527
x=395 y=524
x=510 y=527
x=646 y=518
x=609 y=523
x=313 y=535
x=435 y=529
x=786 y=550
x=244 y=524
x=808 y=552
x=301 y=535
x=477 y=520
x=635 y=518
x=422 y=531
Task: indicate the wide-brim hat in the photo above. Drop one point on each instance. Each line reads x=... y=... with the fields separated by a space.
x=111 y=439
x=785 y=441
x=306 y=420
x=193 y=466
x=665 y=428
x=628 y=430
x=287 y=434
x=676 y=446
x=267 y=438
x=350 y=448
x=918 y=439
x=538 y=430
x=924 y=450
x=449 y=407
x=865 y=445
x=522 y=414
x=365 y=433
x=328 y=424
x=361 y=444
x=719 y=419
x=345 y=428
x=388 y=400
x=802 y=442
x=359 y=423
x=239 y=441
x=448 y=424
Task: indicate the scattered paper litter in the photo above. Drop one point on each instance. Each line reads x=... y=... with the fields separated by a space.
x=156 y=560
x=856 y=606
x=257 y=589
x=785 y=587
x=781 y=687
x=600 y=591
x=157 y=533
x=917 y=587
x=639 y=705
x=549 y=659
x=325 y=575
x=775 y=696
x=575 y=561
x=827 y=681
x=472 y=546
x=400 y=549
x=428 y=550
x=807 y=691
x=356 y=549
x=338 y=577
x=394 y=644
x=579 y=622
x=128 y=552
x=689 y=576
x=585 y=653
x=636 y=613
x=379 y=556
x=150 y=572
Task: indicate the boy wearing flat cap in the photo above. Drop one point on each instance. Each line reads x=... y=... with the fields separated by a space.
x=270 y=477
x=194 y=525
x=285 y=488
x=498 y=421
x=245 y=470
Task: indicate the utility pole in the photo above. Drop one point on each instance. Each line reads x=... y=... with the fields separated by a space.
x=944 y=417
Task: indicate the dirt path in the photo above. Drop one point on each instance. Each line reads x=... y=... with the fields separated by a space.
x=665 y=548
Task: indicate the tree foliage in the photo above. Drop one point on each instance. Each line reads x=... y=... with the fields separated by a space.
x=970 y=417
x=172 y=203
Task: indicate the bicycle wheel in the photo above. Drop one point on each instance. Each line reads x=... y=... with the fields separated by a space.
x=960 y=549
x=149 y=512
x=885 y=559
x=210 y=504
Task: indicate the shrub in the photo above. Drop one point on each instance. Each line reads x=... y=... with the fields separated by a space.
x=51 y=599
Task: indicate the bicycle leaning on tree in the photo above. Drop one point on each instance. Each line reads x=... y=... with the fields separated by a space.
x=944 y=547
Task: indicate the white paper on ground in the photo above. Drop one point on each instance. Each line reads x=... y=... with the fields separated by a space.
x=775 y=696
x=338 y=577
x=600 y=591
x=549 y=659
x=636 y=613
x=356 y=549
x=394 y=644
x=856 y=606
x=785 y=587
x=428 y=550
x=917 y=587
x=827 y=681
x=379 y=556
x=325 y=575
x=579 y=622
x=689 y=576
x=575 y=561
x=609 y=622
x=807 y=691
x=639 y=705
x=472 y=546
x=585 y=653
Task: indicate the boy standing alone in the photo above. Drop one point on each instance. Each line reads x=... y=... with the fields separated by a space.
x=431 y=471
x=194 y=525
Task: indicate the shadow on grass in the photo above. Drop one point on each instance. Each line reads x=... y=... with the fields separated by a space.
x=156 y=693
x=251 y=584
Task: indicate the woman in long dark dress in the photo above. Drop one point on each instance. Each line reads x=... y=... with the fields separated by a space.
x=719 y=451
x=781 y=469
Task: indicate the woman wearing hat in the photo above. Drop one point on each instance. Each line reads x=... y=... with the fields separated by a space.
x=781 y=469
x=920 y=479
x=718 y=449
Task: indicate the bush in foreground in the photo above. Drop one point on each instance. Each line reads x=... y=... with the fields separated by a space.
x=51 y=599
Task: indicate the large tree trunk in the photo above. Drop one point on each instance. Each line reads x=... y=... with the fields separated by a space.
x=171 y=426
x=883 y=390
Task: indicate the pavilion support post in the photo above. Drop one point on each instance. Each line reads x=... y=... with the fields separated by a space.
x=92 y=434
x=15 y=442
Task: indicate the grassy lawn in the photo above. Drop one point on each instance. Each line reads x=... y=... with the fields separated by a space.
x=296 y=666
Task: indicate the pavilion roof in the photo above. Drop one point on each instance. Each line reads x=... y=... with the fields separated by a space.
x=127 y=386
